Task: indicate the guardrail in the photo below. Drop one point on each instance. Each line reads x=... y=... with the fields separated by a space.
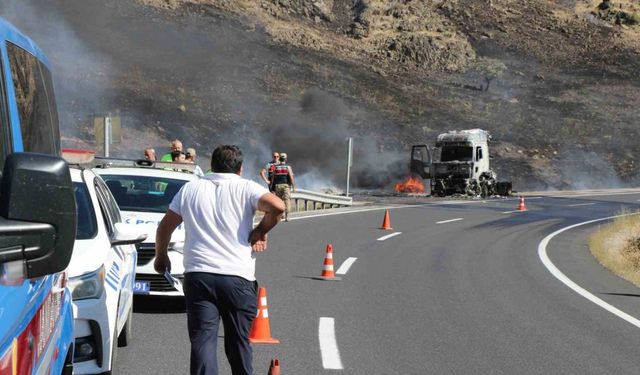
x=306 y=200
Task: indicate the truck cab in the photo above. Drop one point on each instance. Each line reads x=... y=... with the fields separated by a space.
x=458 y=164
x=37 y=216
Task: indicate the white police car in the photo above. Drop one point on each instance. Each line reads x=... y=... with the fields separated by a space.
x=144 y=191
x=101 y=275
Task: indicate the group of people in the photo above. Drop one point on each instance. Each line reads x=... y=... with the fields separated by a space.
x=177 y=155
x=278 y=175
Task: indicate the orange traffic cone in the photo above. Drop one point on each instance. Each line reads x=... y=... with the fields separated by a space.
x=386 y=223
x=521 y=205
x=327 y=269
x=260 y=331
x=274 y=368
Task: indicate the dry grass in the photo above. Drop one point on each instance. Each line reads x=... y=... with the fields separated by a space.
x=617 y=247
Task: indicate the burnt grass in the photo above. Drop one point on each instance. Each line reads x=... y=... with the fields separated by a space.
x=564 y=114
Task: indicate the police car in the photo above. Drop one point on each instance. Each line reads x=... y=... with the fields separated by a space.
x=144 y=190
x=101 y=275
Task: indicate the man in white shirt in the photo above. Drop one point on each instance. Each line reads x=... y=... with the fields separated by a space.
x=219 y=257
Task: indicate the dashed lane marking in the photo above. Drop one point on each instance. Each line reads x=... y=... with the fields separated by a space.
x=344 y=268
x=449 y=221
x=328 y=345
x=581 y=204
x=514 y=211
x=542 y=254
x=389 y=236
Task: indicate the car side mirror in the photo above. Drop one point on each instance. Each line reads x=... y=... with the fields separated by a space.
x=37 y=214
x=126 y=234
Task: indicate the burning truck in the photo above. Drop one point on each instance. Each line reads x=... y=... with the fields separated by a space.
x=459 y=164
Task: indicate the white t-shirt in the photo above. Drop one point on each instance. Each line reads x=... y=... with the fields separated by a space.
x=217 y=211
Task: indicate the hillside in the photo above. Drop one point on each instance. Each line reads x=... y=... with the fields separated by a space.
x=556 y=82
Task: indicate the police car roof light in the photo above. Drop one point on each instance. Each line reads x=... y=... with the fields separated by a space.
x=104 y=162
x=77 y=156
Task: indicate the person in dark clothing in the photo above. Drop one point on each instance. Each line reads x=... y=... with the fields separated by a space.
x=283 y=183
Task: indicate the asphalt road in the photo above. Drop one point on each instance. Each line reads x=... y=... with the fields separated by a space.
x=462 y=290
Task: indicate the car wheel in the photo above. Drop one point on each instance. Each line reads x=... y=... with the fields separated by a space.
x=127 y=332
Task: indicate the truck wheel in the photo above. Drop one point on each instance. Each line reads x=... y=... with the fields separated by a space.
x=127 y=331
x=440 y=190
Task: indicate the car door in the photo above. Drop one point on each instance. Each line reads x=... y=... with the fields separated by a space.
x=420 y=161
x=125 y=253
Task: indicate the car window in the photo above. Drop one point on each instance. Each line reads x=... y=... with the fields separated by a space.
x=143 y=193
x=5 y=132
x=87 y=227
x=36 y=106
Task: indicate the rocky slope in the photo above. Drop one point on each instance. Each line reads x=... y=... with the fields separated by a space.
x=556 y=82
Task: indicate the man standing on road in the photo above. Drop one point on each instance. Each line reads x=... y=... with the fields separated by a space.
x=150 y=154
x=219 y=258
x=267 y=171
x=191 y=158
x=176 y=146
x=283 y=183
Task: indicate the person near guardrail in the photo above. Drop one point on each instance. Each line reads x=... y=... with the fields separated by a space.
x=283 y=183
x=176 y=145
x=150 y=153
x=219 y=263
x=267 y=171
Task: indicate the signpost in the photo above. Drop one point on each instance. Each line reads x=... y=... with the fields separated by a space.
x=349 y=157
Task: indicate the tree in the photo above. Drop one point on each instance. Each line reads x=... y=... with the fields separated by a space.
x=490 y=69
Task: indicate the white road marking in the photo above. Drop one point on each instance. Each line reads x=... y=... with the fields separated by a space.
x=581 y=204
x=449 y=221
x=542 y=254
x=328 y=345
x=389 y=236
x=595 y=194
x=344 y=268
x=510 y=212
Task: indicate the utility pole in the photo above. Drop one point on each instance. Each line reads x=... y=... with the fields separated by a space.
x=349 y=157
x=107 y=135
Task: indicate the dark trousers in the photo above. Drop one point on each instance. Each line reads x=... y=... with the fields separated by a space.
x=210 y=297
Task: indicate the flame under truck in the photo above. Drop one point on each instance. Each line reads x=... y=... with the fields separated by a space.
x=459 y=164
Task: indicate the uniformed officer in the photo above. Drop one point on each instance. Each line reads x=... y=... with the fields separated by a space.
x=283 y=183
x=267 y=171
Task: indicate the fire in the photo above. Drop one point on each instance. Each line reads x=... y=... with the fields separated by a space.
x=410 y=185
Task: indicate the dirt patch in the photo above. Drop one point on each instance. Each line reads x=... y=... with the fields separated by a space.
x=617 y=247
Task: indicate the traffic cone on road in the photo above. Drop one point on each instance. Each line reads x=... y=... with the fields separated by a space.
x=386 y=222
x=521 y=205
x=260 y=331
x=327 y=268
x=274 y=368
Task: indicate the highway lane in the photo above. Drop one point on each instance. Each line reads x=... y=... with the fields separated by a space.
x=465 y=296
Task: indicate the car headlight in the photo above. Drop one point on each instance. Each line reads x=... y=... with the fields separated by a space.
x=176 y=246
x=90 y=285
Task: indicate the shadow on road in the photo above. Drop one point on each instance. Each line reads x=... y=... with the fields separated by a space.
x=622 y=294
x=158 y=305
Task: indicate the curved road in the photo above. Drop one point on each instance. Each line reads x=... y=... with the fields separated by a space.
x=461 y=290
